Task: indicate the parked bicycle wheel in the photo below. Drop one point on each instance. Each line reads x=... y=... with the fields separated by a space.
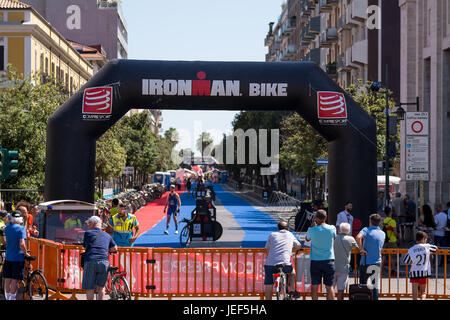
x=37 y=286
x=120 y=289
x=184 y=236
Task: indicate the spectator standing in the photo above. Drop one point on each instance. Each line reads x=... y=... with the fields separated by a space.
x=31 y=225
x=24 y=207
x=390 y=228
x=345 y=216
x=3 y=218
x=343 y=245
x=410 y=209
x=427 y=221
x=279 y=247
x=322 y=237
x=447 y=234
x=440 y=219
x=419 y=257
x=374 y=239
x=380 y=203
x=399 y=207
x=16 y=251
x=95 y=270
x=114 y=207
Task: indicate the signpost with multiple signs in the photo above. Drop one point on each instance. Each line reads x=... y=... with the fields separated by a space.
x=417 y=146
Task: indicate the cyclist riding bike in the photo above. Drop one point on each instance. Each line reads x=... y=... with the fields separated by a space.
x=174 y=204
x=279 y=247
x=122 y=226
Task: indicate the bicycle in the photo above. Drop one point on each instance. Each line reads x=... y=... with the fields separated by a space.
x=117 y=286
x=185 y=235
x=281 y=285
x=34 y=286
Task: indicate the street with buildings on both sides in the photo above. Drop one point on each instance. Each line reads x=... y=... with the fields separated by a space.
x=402 y=46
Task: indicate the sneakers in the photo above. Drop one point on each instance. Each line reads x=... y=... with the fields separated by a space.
x=176 y=231
x=166 y=231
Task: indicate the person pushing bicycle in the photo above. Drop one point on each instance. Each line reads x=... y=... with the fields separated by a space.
x=173 y=205
x=279 y=247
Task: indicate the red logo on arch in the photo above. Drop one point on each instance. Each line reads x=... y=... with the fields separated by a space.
x=331 y=105
x=97 y=100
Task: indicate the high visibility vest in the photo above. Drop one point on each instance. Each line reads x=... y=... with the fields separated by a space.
x=124 y=226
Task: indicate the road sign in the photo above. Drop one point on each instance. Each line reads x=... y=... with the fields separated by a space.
x=322 y=162
x=128 y=170
x=417 y=123
x=417 y=177
x=417 y=158
x=417 y=146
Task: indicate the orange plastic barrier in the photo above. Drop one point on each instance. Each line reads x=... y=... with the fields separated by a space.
x=208 y=272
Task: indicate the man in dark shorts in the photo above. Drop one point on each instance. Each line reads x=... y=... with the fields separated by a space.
x=16 y=251
x=322 y=238
x=172 y=206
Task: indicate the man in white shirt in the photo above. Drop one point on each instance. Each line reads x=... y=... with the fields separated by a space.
x=279 y=248
x=345 y=216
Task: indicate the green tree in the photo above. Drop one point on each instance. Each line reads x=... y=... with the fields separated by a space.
x=110 y=158
x=25 y=106
x=301 y=144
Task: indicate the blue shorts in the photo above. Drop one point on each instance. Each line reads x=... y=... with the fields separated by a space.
x=14 y=270
x=322 y=269
x=269 y=271
x=95 y=274
x=172 y=210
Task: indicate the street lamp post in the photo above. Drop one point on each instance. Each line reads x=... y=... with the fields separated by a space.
x=376 y=86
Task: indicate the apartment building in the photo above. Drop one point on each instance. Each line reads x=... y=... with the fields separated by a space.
x=348 y=39
x=90 y=22
x=33 y=47
x=425 y=73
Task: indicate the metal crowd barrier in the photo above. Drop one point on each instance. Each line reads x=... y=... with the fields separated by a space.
x=212 y=272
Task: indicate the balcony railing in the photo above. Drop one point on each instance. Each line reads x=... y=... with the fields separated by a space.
x=107 y=3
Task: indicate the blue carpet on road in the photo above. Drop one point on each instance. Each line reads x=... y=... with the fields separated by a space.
x=155 y=237
x=256 y=224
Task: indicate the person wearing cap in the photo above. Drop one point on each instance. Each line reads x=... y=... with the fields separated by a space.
x=173 y=204
x=95 y=270
x=16 y=251
x=122 y=226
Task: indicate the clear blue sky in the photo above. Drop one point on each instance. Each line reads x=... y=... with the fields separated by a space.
x=208 y=30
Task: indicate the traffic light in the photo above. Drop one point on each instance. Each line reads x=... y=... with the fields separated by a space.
x=8 y=163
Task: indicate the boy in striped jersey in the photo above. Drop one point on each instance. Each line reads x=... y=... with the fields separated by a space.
x=419 y=257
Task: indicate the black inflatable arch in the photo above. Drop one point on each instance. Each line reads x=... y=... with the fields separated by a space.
x=122 y=85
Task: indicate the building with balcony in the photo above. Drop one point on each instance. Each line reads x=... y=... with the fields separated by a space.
x=425 y=73
x=34 y=48
x=90 y=22
x=335 y=34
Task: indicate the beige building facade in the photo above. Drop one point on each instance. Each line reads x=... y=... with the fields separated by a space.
x=425 y=73
x=34 y=48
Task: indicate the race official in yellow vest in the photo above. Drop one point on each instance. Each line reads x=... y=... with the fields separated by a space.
x=122 y=226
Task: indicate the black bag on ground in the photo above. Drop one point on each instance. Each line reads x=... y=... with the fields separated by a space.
x=360 y=291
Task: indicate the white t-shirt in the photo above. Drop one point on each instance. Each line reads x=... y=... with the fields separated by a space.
x=441 y=222
x=419 y=257
x=279 y=247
